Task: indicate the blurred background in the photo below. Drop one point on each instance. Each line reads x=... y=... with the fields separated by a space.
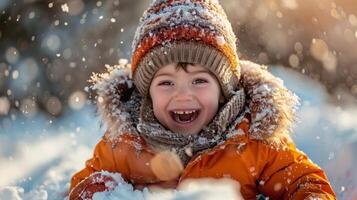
x=49 y=49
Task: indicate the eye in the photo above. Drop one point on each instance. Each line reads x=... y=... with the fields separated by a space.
x=199 y=81
x=165 y=83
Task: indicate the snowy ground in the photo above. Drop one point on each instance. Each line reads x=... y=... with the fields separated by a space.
x=38 y=156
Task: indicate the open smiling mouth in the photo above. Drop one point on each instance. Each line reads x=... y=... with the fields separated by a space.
x=184 y=117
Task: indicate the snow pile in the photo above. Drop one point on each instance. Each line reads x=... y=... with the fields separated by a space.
x=12 y=193
x=38 y=157
x=209 y=189
x=41 y=169
x=17 y=193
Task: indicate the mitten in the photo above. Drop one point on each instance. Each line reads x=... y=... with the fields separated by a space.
x=96 y=182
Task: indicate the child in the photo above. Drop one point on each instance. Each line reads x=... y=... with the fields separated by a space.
x=196 y=111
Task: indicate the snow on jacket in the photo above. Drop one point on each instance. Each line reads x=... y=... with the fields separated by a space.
x=258 y=154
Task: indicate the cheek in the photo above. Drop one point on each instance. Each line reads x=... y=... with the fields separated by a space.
x=210 y=95
x=157 y=94
x=159 y=108
x=209 y=102
x=158 y=98
x=159 y=105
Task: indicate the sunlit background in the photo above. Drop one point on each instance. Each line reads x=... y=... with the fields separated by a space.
x=49 y=49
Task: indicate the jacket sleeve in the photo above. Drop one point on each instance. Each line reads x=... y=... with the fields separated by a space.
x=290 y=174
x=102 y=160
x=127 y=155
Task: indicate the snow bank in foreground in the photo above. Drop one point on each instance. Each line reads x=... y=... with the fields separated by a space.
x=13 y=193
x=208 y=189
x=17 y=193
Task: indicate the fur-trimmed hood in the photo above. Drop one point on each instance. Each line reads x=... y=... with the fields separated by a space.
x=271 y=105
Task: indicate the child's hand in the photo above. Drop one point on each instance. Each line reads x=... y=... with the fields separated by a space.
x=97 y=182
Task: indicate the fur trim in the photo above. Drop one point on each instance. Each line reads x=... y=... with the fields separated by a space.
x=114 y=93
x=271 y=105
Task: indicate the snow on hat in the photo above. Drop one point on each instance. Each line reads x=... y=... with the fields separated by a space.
x=190 y=31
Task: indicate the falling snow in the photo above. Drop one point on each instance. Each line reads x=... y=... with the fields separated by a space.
x=65 y=8
x=44 y=70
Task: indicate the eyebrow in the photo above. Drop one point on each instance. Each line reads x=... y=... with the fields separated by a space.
x=201 y=71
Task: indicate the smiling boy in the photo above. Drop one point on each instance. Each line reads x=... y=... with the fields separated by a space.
x=196 y=111
x=185 y=97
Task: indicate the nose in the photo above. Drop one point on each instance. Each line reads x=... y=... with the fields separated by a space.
x=184 y=93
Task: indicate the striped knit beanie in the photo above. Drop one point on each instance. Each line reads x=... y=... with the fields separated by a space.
x=190 y=31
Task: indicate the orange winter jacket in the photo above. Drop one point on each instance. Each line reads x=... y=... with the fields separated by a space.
x=259 y=168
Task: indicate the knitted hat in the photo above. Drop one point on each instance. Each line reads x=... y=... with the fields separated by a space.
x=190 y=31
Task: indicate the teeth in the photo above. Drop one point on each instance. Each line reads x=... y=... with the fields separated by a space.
x=184 y=112
x=185 y=116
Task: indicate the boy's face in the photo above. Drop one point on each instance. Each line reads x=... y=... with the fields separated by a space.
x=185 y=102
